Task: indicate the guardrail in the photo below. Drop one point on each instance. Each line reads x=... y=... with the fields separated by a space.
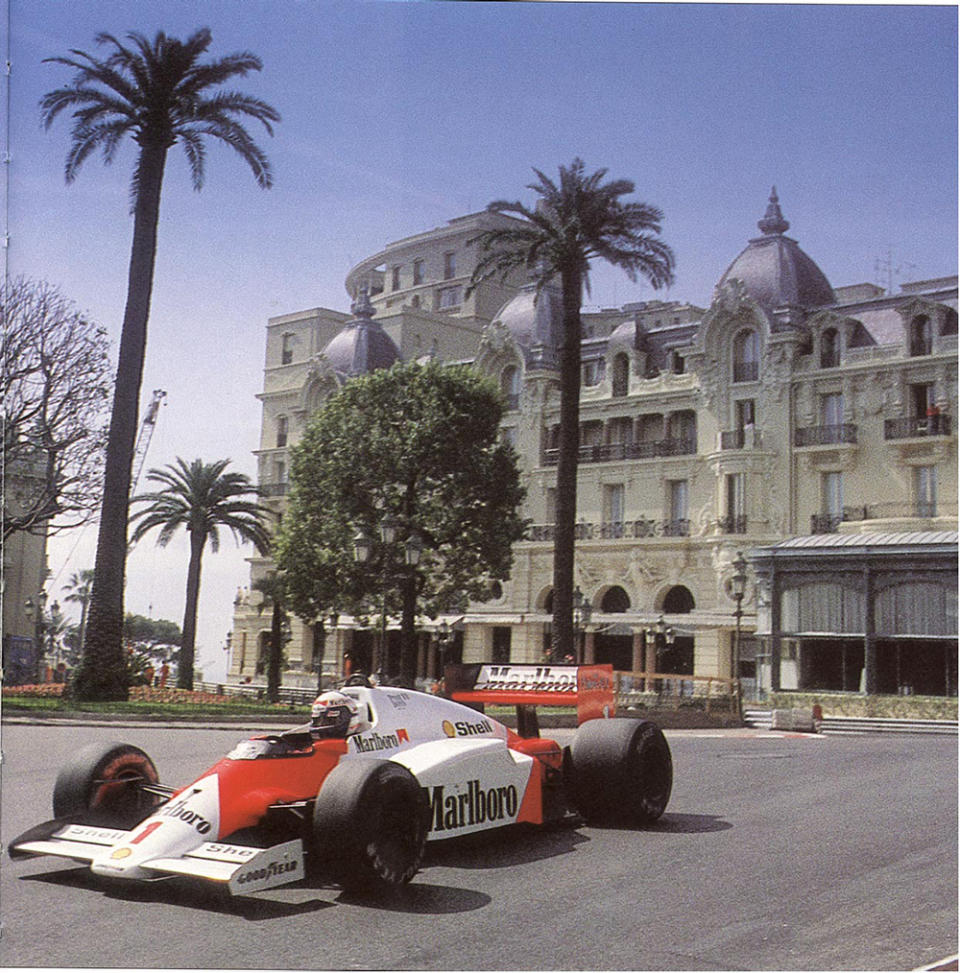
x=762 y=719
x=288 y=694
x=663 y=690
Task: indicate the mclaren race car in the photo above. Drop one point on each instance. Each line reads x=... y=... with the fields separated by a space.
x=355 y=795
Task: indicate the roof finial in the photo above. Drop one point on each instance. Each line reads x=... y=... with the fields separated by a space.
x=362 y=308
x=773 y=222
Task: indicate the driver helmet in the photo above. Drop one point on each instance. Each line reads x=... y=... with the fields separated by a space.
x=335 y=715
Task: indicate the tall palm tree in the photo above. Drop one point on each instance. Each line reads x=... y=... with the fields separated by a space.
x=575 y=220
x=158 y=93
x=79 y=588
x=201 y=498
x=272 y=587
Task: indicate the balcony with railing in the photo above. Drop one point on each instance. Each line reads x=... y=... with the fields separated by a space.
x=910 y=427
x=829 y=523
x=745 y=438
x=843 y=434
x=274 y=489
x=733 y=525
x=615 y=530
x=609 y=452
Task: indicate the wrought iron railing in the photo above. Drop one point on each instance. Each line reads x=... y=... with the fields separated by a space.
x=906 y=428
x=825 y=435
x=733 y=525
x=273 y=489
x=608 y=452
x=615 y=530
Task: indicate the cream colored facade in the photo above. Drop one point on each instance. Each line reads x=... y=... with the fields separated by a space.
x=785 y=408
x=24 y=578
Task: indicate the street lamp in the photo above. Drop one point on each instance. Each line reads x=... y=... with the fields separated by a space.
x=738 y=587
x=362 y=551
x=31 y=608
x=582 y=612
x=663 y=636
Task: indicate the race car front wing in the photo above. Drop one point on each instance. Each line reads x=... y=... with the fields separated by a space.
x=241 y=868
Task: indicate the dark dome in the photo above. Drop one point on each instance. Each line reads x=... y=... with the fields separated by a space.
x=533 y=320
x=362 y=346
x=775 y=271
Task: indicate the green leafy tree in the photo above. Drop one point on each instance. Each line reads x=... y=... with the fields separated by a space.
x=576 y=220
x=417 y=444
x=201 y=498
x=158 y=93
x=273 y=589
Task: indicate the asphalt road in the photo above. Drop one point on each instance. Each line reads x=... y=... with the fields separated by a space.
x=776 y=853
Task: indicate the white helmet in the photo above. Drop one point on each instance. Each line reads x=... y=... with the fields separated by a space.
x=335 y=715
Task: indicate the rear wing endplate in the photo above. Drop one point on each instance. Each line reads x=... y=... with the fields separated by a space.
x=588 y=688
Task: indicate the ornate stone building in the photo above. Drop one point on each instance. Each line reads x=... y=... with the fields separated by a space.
x=786 y=408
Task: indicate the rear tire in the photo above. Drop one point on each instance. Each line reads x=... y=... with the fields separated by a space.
x=101 y=781
x=620 y=770
x=370 y=824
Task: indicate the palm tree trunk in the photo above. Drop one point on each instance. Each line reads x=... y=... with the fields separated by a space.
x=187 y=645
x=568 y=455
x=103 y=669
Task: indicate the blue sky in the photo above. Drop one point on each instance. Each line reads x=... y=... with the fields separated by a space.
x=398 y=116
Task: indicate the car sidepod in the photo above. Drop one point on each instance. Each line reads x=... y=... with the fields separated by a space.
x=475 y=784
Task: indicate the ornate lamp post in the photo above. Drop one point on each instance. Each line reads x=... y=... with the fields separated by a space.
x=738 y=587
x=662 y=636
x=362 y=551
x=582 y=612
x=34 y=610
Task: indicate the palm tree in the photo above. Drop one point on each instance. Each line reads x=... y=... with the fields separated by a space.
x=157 y=92
x=574 y=221
x=201 y=498
x=272 y=587
x=79 y=588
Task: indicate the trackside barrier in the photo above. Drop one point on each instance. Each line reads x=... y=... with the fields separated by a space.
x=662 y=690
x=289 y=695
x=763 y=719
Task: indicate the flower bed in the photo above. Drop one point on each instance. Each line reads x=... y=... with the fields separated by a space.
x=139 y=694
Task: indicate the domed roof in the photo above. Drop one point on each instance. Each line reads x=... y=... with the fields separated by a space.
x=774 y=270
x=362 y=346
x=623 y=336
x=533 y=320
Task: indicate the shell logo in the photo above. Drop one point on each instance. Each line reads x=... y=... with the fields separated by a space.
x=122 y=853
x=449 y=728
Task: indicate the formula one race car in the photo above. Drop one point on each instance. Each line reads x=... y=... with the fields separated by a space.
x=355 y=795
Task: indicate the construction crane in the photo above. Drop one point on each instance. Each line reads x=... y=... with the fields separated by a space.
x=143 y=439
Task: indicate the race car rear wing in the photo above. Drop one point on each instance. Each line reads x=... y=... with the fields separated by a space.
x=588 y=688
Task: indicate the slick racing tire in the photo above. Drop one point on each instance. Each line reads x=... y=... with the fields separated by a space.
x=370 y=824
x=620 y=770
x=101 y=781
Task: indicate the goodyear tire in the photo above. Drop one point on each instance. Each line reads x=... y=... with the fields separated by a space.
x=620 y=770
x=101 y=782
x=370 y=824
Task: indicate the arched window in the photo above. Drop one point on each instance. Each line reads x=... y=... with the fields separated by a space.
x=921 y=336
x=615 y=600
x=283 y=427
x=746 y=356
x=830 y=348
x=679 y=601
x=510 y=385
x=621 y=374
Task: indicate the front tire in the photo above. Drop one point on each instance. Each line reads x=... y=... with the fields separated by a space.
x=621 y=770
x=370 y=824
x=102 y=782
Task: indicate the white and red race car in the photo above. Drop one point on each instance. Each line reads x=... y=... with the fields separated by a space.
x=355 y=795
